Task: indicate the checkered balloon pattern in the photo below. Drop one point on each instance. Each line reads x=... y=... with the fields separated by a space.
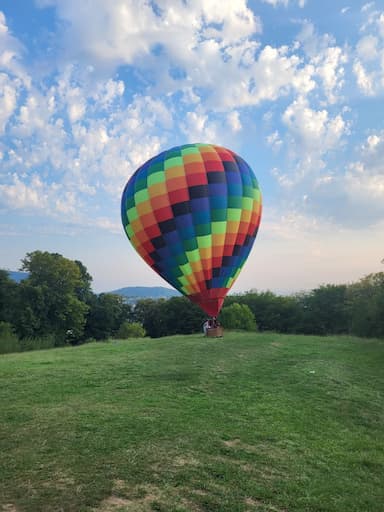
x=192 y=213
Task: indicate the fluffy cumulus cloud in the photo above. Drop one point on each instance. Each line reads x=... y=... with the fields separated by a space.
x=368 y=63
x=327 y=59
x=69 y=141
x=365 y=177
x=76 y=157
x=78 y=133
x=13 y=79
x=314 y=131
x=353 y=196
x=133 y=30
x=199 y=47
x=170 y=72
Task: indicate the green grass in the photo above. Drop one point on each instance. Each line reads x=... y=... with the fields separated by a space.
x=250 y=422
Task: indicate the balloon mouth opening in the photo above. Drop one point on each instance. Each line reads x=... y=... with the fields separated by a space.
x=210 y=301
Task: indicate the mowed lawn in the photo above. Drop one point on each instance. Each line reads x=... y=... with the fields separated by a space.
x=250 y=422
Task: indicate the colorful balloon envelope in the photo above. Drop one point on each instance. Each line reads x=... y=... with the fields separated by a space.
x=192 y=213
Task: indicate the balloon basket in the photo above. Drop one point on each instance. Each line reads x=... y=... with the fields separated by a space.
x=215 y=332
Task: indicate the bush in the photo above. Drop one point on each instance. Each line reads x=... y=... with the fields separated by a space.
x=238 y=316
x=9 y=342
x=130 y=330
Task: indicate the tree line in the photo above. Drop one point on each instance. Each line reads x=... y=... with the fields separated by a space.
x=55 y=306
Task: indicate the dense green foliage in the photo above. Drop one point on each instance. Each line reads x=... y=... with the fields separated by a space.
x=56 y=304
x=107 y=312
x=366 y=300
x=238 y=316
x=356 y=309
x=130 y=330
x=9 y=342
x=249 y=422
x=162 y=317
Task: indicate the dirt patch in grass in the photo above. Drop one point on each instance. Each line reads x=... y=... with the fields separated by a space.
x=127 y=498
x=8 y=507
x=237 y=444
x=144 y=498
x=185 y=461
x=232 y=443
x=114 y=503
x=59 y=481
x=262 y=506
x=251 y=502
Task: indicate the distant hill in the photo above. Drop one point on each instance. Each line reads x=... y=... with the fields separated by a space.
x=17 y=276
x=131 y=293
x=135 y=293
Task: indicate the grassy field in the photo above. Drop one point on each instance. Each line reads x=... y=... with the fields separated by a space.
x=249 y=422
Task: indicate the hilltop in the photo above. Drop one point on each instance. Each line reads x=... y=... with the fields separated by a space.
x=249 y=422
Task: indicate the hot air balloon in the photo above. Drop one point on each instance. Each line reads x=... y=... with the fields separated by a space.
x=192 y=213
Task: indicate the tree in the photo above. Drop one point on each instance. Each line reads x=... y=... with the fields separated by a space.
x=84 y=290
x=149 y=313
x=32 y=318
x=49 y=301
x=238 y=316
x=324 y=310
x=107 y=312
x=8 y=297
x=273 y=313
x=161 y=317
x=181 y=316
x=366 y=306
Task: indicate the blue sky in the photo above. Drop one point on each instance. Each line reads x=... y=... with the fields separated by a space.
x=90 y=90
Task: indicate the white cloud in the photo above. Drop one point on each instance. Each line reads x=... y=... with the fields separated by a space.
x=367 y=6
x=326 y=58
x=10 y=53
x=366 y=48
x=13 y=78
x=73 y=146
x=365 y=80
x=329 y=67
x=274 y=73
x=234 y=121
x=200 y=46
x=8 y=99
x=368 y=65
x=274 y=141
x=311 y=136
x=285 y=3
x=107 y=92
x=132 y=29
x=353 y=197
x=20 y=195
x=314 y=131
x=200 y=72
x=365 y=177
x=199 y=128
